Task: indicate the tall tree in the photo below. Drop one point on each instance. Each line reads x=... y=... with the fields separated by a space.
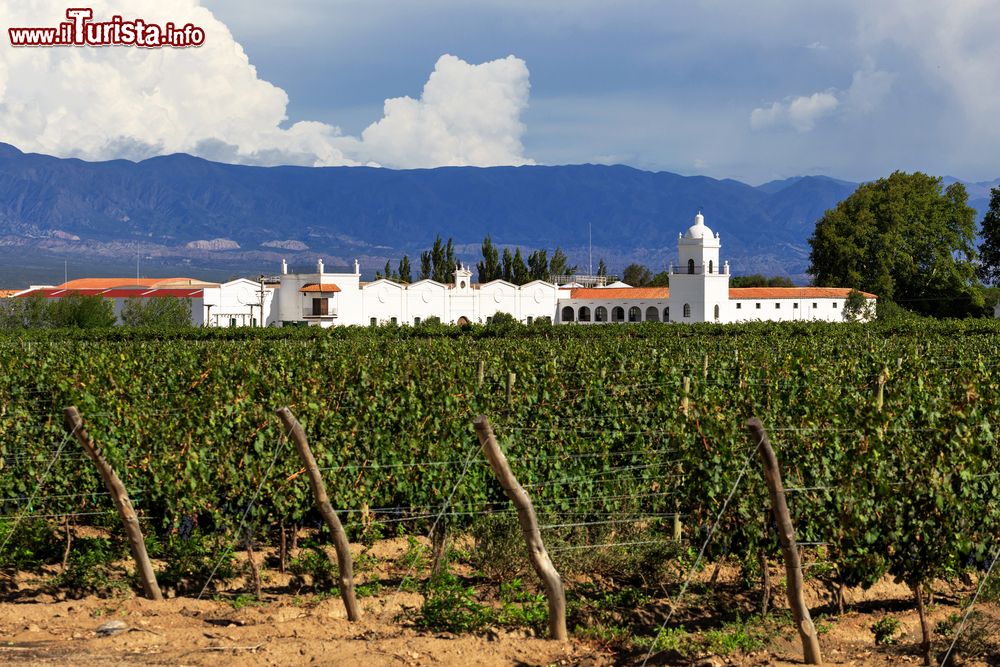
x=508 y=265
x=559 y=264
x=438 y=268
x=637 y=275
x=449 y=262
x=519 y=270
x=405 y=273
x=602 y=268
x=906 y=240
x=425 y=265
x=538 y=265
x=989 y=251
x=489 y=269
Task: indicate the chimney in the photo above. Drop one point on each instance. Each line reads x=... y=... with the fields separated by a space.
x=357 y=268
x=319 y=266
x=284 y=267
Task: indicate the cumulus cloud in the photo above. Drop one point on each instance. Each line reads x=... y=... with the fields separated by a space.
x=869 y=87
x=800 y=112
x=111 y=102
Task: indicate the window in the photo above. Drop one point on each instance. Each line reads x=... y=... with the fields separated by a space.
x=373 y=322
x=321 y=307
x=666 y=314
x=834 y=304
x=600 y=314
x=777 y=306
x=690 y=266
x=253 y=321
x=635 y=314
x=567 y=314
x=617 y=314
x=530 y=319
x=232 y=321
x=393 y=320
x=716 y=311
x=758 y=305
x=652 y=314
x=795 y=306
x=462 y=285
x=711 y=266
x=687 y=310
x=583 y=315
x=739 y=306
x=416 y=321
x=815 y=305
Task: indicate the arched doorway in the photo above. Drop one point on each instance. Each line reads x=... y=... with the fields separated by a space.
x=567 y=314
x=583 y=315
x=635 y=314
x=716 y=312
x=652 y=314
x=687 y=310
x=600 y=314
x=617 y=314
x=462 y=321
x=691 y=266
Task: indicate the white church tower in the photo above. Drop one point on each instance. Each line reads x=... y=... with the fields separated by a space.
x=699 y=286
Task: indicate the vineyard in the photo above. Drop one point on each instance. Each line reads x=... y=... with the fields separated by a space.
x=631 y=442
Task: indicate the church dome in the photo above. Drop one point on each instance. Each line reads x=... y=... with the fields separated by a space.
x=698 y=230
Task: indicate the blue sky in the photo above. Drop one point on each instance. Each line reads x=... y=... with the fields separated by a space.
x=753 y=91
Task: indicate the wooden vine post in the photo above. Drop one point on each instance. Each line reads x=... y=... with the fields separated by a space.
x=345 y=563
x=136 y=543
x=529 y=527
x=786 y=534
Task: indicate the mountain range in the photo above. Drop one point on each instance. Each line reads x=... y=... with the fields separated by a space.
x=183 y=214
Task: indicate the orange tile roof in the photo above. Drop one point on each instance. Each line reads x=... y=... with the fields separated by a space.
x=5 y=293
x=108 y=283
x=619 y=293
x=792 y=293
x=320 y=287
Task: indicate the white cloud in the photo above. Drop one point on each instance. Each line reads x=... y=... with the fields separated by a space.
x=467 y=115
x=869 y=87
x=110 y=102
x=799 y=112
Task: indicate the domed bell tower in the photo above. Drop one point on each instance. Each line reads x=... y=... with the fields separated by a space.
x=699 y=286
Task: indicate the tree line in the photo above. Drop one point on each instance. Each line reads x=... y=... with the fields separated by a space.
x=78 y=311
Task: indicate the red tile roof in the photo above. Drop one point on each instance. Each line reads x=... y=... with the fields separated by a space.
x=4 y=293
x=320 y=287
x=619 y=293
x=119 y=293
x=108 y=283
x=792 y=293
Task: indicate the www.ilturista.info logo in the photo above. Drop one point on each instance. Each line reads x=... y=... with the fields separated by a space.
x=80 y=30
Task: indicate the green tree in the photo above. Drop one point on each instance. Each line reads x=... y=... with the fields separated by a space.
x=989 y=250
x=637 y=275
x=904 y=239
x=559 y=264
x=538 y=265
x=661 y=279
x=425 y=265
x=83 y=312
x=405 y=273
x=760 y=280
x=602 y=268
x=24 y=312
x=508 y=266
x=519 y=270
x=156 y=312
x=489 y=269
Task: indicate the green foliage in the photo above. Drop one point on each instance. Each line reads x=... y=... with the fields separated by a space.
x=499 y=551
x=989 y=249
x=905 y=239
x=314 y=562
x=156 y=312
x=80 y=311
x=190 y=560
x=489 y=269
x=35 y=543
x=451 y=606
x=886 y=630
x=90 y=568
x=857 y=308
x=760 y=280
x=637 y=275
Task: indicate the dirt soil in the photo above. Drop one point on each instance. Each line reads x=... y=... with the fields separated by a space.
x=289 y=629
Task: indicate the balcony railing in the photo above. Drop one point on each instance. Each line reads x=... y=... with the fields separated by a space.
x=309 y=313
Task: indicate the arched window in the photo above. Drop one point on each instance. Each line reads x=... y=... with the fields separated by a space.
x=687 y=310
x=583 y=315
x=617 y=314
x=600 y=314
x=652 y=314
x=711 y=266
x=635 y=314
x=690 y=266
x=567 y=314
x=717 y=312
x=666 y=314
